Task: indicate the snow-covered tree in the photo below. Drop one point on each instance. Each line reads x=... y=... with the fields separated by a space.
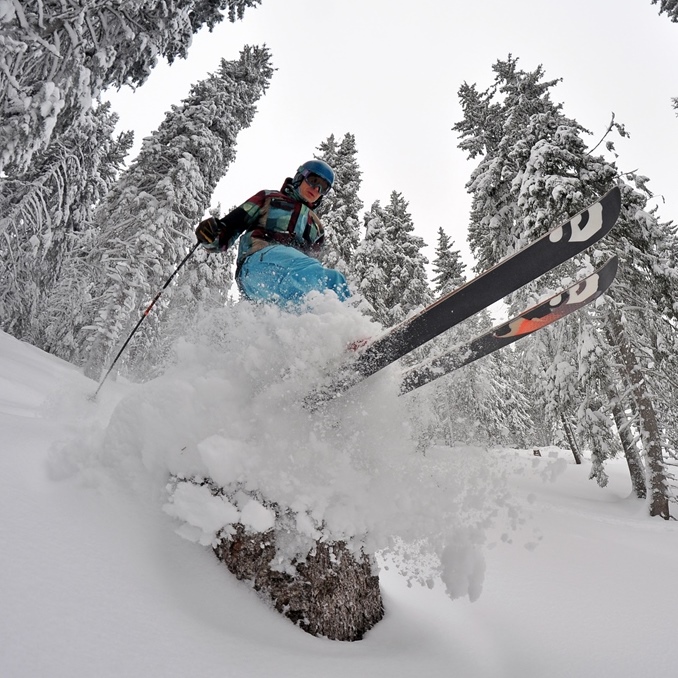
x=370 y=262
x=147 y=219
x=340 y=210
x=389 y=264
x=534 y=170
x=45 y=214
x=479 y=403
x=57 y=56
x=407 y=288
x=668 y=6
x=448 y=268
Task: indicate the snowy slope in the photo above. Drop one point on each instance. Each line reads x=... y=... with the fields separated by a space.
x=94 y=581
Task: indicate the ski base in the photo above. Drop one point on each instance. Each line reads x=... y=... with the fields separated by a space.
x=559 y=306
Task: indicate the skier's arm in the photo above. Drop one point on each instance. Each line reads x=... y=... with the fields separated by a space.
x=219 y=234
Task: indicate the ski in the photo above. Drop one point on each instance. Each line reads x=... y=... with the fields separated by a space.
x=535 y=318
x=554 y=248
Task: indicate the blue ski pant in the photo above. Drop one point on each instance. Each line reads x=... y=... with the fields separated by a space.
x=284 y=275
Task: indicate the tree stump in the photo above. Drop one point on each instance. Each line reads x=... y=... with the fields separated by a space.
x=331 y=592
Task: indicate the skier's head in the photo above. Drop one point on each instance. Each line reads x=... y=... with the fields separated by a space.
x=317 y=177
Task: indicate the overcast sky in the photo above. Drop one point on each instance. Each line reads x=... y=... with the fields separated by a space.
x=388 y=71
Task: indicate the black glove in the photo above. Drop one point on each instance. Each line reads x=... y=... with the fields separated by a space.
x=207 y=233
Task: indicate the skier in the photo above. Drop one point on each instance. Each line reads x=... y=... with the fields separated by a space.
x=277 y=231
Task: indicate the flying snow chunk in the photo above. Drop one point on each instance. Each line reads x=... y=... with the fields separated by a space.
x=256 y=517
x=197 y=506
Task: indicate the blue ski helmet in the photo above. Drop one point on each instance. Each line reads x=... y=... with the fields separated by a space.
x=319 y=167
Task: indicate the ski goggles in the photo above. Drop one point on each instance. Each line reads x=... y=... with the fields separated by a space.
x=314 y=181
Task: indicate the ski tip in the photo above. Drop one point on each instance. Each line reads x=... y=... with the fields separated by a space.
x=613 y=201
x=613 y=263
x=608 y=272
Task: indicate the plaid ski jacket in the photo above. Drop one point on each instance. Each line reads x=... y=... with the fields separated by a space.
x=272 y=217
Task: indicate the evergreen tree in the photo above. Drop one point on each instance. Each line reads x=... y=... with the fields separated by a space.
x=488 y=403
x=447 y=266
x=340 y=210
x=522 y=183
x=479 y=403
x=407 y=288
x=535 y=169
x=59 y=55
x=370 y=263
x=45 y=213
x=668 y=6
x=147 y=219
x=389 y=264
x=474 y=405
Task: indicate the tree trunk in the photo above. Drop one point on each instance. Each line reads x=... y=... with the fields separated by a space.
x=635 y=464
x=572 y=441
x=656 y=481
x=324 y=587
x=332 y=593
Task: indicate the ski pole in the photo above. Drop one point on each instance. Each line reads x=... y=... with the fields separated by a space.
x=144 y=314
